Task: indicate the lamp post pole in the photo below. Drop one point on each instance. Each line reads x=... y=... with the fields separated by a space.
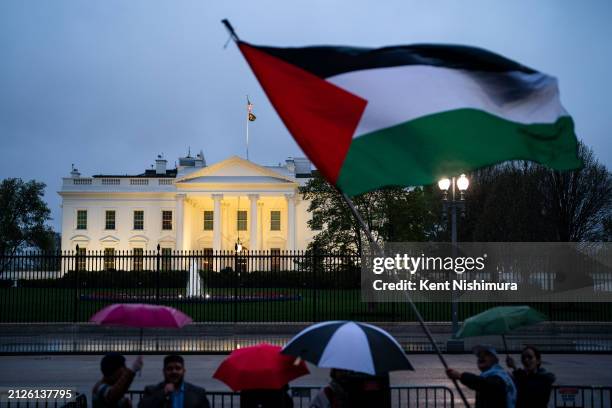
x=456 y=201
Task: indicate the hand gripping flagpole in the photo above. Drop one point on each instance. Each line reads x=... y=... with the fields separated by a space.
x=416 y=311
x=380 y=252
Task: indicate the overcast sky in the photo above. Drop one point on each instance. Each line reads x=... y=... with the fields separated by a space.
x=109 y=84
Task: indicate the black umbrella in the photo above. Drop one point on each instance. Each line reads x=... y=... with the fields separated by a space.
x=349 y=345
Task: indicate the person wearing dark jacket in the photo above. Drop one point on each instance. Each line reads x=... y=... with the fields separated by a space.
x=174 y=391
x=266 y=398
x=533 y=383
x=494 y=387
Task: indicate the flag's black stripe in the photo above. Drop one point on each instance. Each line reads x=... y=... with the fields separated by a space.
x=327 y=61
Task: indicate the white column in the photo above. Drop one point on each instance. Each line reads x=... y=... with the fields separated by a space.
x=180 y=219
x=253 y=241
x=290 y=198
x=260 y=226
x=217 y=221
x=225 y=225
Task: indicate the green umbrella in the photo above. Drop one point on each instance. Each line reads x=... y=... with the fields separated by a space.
x=500 y=320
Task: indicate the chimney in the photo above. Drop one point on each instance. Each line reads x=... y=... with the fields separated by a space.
x=199 y=160
x=290 y=164
x=160 y=165
x=74 y=173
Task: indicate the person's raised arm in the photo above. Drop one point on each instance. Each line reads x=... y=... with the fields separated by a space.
x=121 y=386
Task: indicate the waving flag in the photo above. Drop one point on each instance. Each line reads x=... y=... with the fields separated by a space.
x=408 y=115
x=250 y=113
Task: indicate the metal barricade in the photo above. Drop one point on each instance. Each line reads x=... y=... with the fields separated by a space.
x=580 y=396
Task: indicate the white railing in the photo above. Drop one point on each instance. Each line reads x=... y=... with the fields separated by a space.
x=81 y=181
x=139 y=182
x=111 y=182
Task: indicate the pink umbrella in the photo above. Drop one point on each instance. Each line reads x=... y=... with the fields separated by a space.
x=140 y=315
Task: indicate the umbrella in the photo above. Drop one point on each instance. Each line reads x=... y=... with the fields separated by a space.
x=349 y=345
x=140 y=315
x=500 y=320
x=259 y=367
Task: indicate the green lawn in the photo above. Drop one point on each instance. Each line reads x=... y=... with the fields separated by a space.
x=26 y=305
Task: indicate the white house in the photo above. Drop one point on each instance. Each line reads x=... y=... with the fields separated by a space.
x=191 y=207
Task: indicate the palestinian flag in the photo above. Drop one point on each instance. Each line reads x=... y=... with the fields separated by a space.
x=408 y=115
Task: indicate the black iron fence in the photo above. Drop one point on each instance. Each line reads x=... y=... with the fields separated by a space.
x=222 y=286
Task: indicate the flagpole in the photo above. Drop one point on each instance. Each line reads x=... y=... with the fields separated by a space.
x=247 y=130
x=416 y=311
x=379 y=250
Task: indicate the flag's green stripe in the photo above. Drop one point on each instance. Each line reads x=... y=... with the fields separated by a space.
x=420 y=151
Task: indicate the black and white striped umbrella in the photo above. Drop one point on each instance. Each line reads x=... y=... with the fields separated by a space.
x=350 y=346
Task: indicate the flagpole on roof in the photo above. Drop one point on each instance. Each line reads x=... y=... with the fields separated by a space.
x=248 y=119
x=416 y=311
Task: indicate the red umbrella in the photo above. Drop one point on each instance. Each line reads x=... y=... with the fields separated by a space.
x=140 y=315
x=259 y=367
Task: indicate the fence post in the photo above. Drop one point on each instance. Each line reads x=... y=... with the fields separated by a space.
x=314 y=263
x=236 y=279
x=157 y=276
x=75 y=316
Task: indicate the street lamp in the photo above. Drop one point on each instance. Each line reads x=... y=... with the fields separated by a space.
x=453 y=203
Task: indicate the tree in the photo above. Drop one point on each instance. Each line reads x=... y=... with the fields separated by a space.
x=521 y=201
x=23 y=215
x=393 y=214
x=580 y=201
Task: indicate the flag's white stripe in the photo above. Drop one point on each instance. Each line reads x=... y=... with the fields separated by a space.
x=348 y=348
x=399 y=94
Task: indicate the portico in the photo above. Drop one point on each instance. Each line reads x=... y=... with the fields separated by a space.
x=252 y=205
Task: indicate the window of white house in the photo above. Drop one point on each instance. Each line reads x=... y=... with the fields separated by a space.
x=81 y=219
x=275 y=220
x=138 y=220
x=138 y=258
x=166 y=220
x=109 y=223
x=81 y=258
x=109 y=258
x=241 y=224
x=208 y=220
x=207 y=260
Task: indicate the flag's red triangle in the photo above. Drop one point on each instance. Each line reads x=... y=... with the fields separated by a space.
x=321 y=116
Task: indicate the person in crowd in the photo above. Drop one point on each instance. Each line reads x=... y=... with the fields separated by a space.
x=174 y=391
x=494 y=386
x=110 y=391
x=354 y=390
x=533 y=383
x=335 y=394
x=266 y=398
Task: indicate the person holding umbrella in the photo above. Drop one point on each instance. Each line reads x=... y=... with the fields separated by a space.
x=336 y=393
x=533 y=383
x=174 y=391
x=494 y=386
x=261 y=374
x=360 y=355
x=110 y=390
